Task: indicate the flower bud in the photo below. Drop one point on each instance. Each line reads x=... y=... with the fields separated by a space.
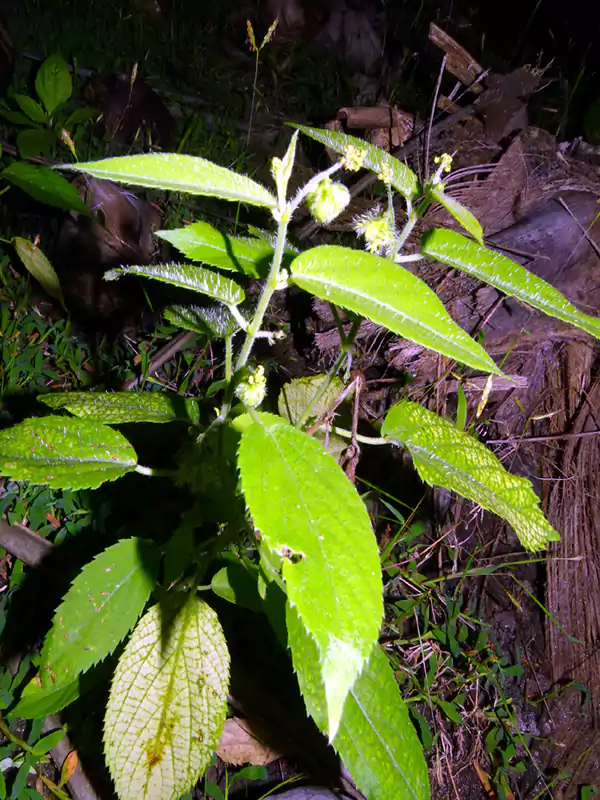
x=328 y=200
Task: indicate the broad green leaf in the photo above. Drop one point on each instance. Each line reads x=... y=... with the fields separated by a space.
x=376 y=160
x=30 y=107
x=45 y=186
x=461 y=214
x=389 y=295
x=53 y=83
x=38 y=265
x=376 y=739
x=115 y=408
x=167 y=701
x=238 y=585
x=201 y=242
x=505 y=274
x=65 y=453
x=36 y=142
x=186 y=276
x=217 y=320
x=38 y=701
x=14 y=117
x=48 y=742
x=308 y=513
x=179 y=173
x=445 y=456
x=101 y=607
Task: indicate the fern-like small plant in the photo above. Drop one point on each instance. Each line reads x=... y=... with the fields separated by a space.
x=303 y=516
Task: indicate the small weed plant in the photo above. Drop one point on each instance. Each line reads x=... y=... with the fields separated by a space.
x=261 y=481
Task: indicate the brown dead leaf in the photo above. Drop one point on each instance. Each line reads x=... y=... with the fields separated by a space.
x=239 y=745
x=68 y=768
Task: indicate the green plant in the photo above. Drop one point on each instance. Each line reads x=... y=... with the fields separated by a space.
x=263 y=485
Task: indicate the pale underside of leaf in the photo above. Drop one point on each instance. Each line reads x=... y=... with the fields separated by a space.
x=179 y=173
x=167 y=701
x=389 y=295
x=65 y=453
x=186 y=276
x=330 y=559
x=376 y=739
x=506 y=275
x=445 y=456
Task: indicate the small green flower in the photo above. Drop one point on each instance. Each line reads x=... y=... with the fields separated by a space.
x=327 y=200
x=445 y=165
x=252 y=387
x=377 y=226
x=353 y=158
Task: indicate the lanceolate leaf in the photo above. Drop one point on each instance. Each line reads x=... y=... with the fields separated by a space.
x=101 y=607
x=445 y=456
x=115 y=408
x=376 y=739
x=461 y=214
x=376 y=160
x=46 y=186
x=389 y=295
x=39 y=266
x=65 y=453
x=179 y=173
x=37 y=701
x=186 y=276
x=503 y=273
x=330 y=559
x=216 y=320
x=167 y=701
x=201 y=242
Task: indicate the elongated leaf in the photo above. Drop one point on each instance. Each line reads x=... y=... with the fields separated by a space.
x=309 y=513
x=45 y=186
x=201 y=242
x=101 y=607
x=376 y=739
x=376 y=160
x=115 y=408
x=179 y=173
x=65 y=453
x=445 y=456
x=37 y=701
x=53 y=83
x=39 y=266
x=167 y=702
x=30 y=107
x=389 y=295
x=505 y=274
x=48 y=742
x=461 y=214
x=186 y=276
x=216 y=320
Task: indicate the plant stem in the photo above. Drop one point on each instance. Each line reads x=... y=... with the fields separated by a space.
x=253 y=95
x=228 y=357
x=349 y=435
x=347 y=342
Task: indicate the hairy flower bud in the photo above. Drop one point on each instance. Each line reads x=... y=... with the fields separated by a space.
x=252 y=387
x=327 y=200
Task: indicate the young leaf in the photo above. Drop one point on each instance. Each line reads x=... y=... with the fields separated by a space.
x=201 y=242
x=447 y=457
x=38 y=701
x=65 y=453
x=389 y=295
x=461 y=214
x=45 y=186
x=186 y=276
x=451 y=248
x=167 y=701
x=216 y=320
x=38 y=265
x=101 y=607
x=309 y=514
x=115 y=408
x=281 y=168
x=53 y=83
x=376 y=738
x=374 y=159
x=179 y=173
x=238 y=585
x=30 y=107
x=45 y=744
